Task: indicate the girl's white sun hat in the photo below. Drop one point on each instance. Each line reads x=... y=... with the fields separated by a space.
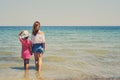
x=25 y=33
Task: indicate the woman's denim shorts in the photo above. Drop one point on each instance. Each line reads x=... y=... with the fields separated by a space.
x=38 y=48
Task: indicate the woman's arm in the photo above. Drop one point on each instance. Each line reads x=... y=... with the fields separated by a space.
x=44 y=46
x=44 y=43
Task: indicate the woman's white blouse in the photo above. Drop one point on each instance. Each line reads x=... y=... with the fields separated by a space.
x=38 y=38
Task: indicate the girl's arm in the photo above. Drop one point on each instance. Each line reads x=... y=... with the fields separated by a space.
x=19 y=35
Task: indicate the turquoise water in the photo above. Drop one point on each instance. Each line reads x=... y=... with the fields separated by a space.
x=80 y=51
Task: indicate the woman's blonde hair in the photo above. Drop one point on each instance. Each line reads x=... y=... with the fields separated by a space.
x=36 y=27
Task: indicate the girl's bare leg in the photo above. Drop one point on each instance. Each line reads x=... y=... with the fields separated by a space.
x=26 y=64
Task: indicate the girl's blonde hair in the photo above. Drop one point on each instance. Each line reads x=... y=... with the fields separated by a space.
x=36 y=27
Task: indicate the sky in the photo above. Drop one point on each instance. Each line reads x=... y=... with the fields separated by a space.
x=60 y=12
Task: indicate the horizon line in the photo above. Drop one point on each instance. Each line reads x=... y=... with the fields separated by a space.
x=54 y=25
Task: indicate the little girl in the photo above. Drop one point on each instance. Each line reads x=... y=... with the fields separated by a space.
x=26 y=47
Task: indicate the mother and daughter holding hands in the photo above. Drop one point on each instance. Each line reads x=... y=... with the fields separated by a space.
x=36 y=46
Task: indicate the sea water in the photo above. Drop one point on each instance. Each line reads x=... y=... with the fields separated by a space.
x=72 y=53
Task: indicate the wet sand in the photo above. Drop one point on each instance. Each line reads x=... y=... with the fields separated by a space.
x=53 y=68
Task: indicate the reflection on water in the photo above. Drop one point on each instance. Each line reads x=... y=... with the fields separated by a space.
x=38 y=75
x=27 y=76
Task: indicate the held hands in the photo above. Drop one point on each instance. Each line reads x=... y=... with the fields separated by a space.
x=31 y=53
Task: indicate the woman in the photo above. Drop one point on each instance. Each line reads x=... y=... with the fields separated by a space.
x=38 y=44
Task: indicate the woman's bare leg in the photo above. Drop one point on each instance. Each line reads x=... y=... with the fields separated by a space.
x=40 y=61
x=36 y=60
